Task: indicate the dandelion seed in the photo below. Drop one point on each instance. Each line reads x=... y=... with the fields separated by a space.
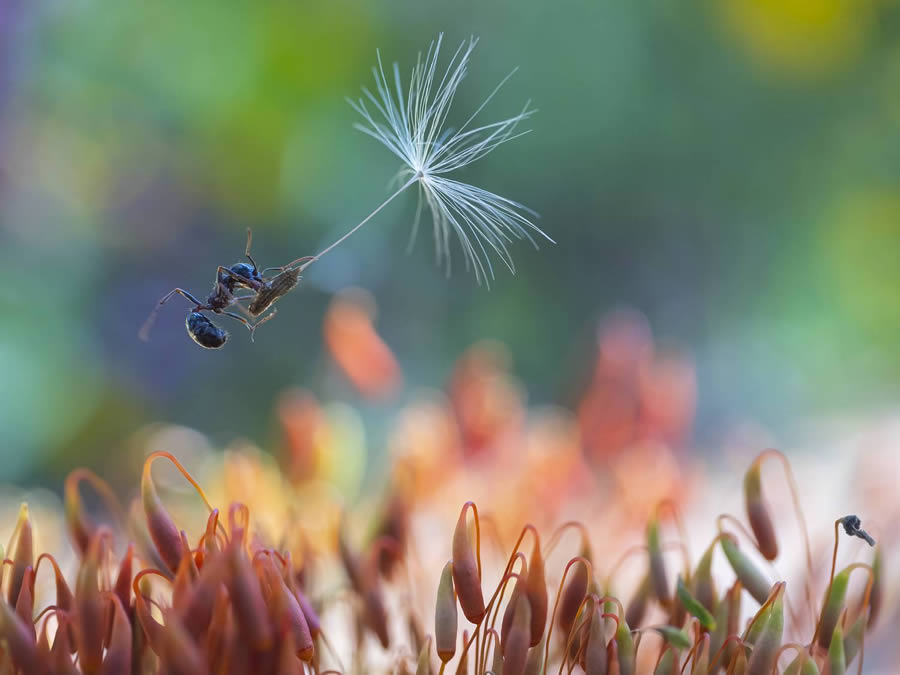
x=412 y=125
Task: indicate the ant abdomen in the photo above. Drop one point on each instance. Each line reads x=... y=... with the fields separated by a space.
x=204 y=332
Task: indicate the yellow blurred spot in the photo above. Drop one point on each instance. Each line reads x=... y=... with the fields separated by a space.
x=799 y=38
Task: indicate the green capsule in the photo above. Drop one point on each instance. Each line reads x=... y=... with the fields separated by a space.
x=625 y=647
x=727 y=614
x=751 y=578
x=765 y=648
x=837 y=659
x=668 y=663
x=702 y=583
x=658 y=578
x=854 y=638
x=692 y=605
x=802 y=665
x=674 y=636
x=832 y=606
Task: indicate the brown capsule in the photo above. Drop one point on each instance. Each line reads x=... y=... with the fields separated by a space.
x=21 y=551
x=181 y=585
x=288 y=663
x=90 y=605
x=25 y=602
x=395 y=527
x=595 y=649
x=118 y=651
x=221 y=628
x=122 y=587
x=312 y=618
x=497 y=657
x=758 y=513
x=180 y=655
x=287 y=609
x=163 y=532
x=510 y=612
x=65 y=601
x=536 y=589
x=352 y=565
x=292 y=579
x=613 y=666
x=210 y=542
x=445 y=616
x=515 y=647
x=247 y=600
x=466 y=577
x=637 y=607
x=375 y=614
x=572 y=596
x=79 y=525
x=197 y=605
x=19 y=639
x=462 y=668
x=151 y=628
x=60 y=658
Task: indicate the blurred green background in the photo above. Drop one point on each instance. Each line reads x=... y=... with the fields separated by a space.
x=729 y=168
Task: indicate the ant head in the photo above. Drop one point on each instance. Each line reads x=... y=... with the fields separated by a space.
x=246 y=271
x=235 y=275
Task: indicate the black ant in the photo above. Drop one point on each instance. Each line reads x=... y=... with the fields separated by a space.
x=228 y=279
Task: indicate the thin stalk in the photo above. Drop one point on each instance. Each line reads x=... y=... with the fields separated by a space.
x=795 y=498
x=363 y=222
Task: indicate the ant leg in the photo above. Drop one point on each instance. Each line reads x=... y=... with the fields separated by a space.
x=250 y=326
x=144 y=332
x=304 y=259
x=244 y=310
x=270 y=315
x=247 y=250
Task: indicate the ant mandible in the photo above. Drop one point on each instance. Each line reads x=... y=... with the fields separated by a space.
x=265 y=291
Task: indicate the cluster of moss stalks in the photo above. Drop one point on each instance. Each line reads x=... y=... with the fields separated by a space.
x=236 y=604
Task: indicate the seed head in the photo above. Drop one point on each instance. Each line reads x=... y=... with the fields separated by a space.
x=412 y=125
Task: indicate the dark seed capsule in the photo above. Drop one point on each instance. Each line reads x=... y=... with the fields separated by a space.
x=281 y=284
x=204 y=332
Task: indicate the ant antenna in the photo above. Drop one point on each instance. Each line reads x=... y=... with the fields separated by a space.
x=307 y=259
x=247 y=250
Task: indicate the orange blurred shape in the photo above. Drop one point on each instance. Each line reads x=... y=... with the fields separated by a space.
x=301 y=420
x=636 y=394
x=357 y=348
x=424 y=446
x=668 y=390
x=645 y=476
x=485 y=398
